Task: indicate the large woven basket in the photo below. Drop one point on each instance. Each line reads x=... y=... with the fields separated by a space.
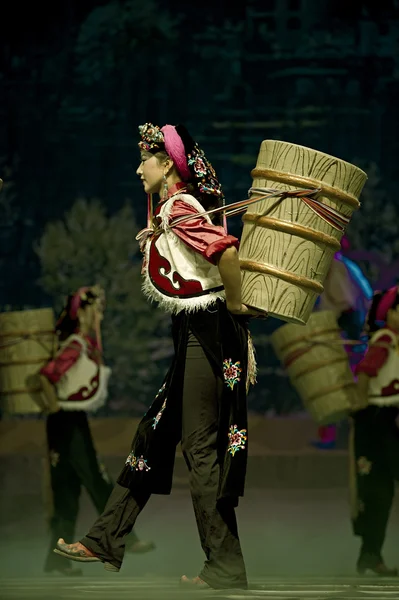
x=27 y=342
x=287 y=245
x=318 y=367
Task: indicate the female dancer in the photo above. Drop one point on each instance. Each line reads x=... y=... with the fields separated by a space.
x=74 y=383
x=376 y=434
x=191 y=269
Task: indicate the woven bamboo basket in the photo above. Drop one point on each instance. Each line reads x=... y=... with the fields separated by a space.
x=288 y=244
x=318 y=367
x=27 y=342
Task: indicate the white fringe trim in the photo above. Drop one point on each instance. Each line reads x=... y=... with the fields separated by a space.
x=252 y=368
x=177 y=305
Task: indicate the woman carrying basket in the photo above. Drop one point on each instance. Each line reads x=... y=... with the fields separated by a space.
x=376 y=434
x=191 y=269
x=74 y=383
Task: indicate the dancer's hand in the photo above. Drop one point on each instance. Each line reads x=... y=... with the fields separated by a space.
x=243 y=309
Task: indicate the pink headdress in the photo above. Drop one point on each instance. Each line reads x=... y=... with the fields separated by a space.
x=386 y=302
x=345 y=244
x=92 y=295
x=189 y=159
x=175 y=148
x=77 y=301
x=154 y=139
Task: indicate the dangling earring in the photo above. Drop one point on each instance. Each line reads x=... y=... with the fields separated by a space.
x=165 y=187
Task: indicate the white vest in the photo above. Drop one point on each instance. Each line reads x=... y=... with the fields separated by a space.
x=85 y=385
x=175 y=276
x=384 y=388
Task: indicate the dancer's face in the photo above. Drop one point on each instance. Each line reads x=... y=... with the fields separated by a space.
x=151 y=173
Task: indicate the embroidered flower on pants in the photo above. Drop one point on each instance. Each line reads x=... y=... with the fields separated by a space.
x=231 y=372
x=142 y=465
x=137 y=464
x=159 y=392
x=237 y=439
x=364 y=466
x=159 y=415
x=161 y=389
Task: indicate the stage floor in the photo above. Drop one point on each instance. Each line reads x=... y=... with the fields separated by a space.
x=297 y=544
x=115 y=587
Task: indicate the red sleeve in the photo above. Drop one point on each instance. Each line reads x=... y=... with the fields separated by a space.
x=206 y=239
x=56 y=368
x=374 y=358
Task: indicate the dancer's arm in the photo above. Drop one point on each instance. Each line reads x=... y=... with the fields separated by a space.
x=229 y=269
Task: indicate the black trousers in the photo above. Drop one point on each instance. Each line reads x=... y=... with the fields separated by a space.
x=73 y=464
x=377 y=468
x=217 y=526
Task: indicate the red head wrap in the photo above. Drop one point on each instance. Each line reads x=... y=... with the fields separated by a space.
x=386 y=303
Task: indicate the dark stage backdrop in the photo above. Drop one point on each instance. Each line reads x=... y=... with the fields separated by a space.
x=78 y=76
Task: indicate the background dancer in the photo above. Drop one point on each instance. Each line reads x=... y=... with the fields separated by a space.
x=376 y=434
x=348 y=294
x=76 y=374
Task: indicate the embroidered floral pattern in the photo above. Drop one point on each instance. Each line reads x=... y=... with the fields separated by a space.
x=198 y=166
x=204 y=172
x=151 y=137
x=231 y=372
x=137 y=464
x=161 y=389
x=159 y=415
x=364 y=466
x=142 y=464
x=237 y=439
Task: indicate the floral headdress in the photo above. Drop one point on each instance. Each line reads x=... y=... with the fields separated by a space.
x=67 y=322
x=152 y=139
x=190 y=160
x=207 y=180
x=85 y=295
x=381 y=304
